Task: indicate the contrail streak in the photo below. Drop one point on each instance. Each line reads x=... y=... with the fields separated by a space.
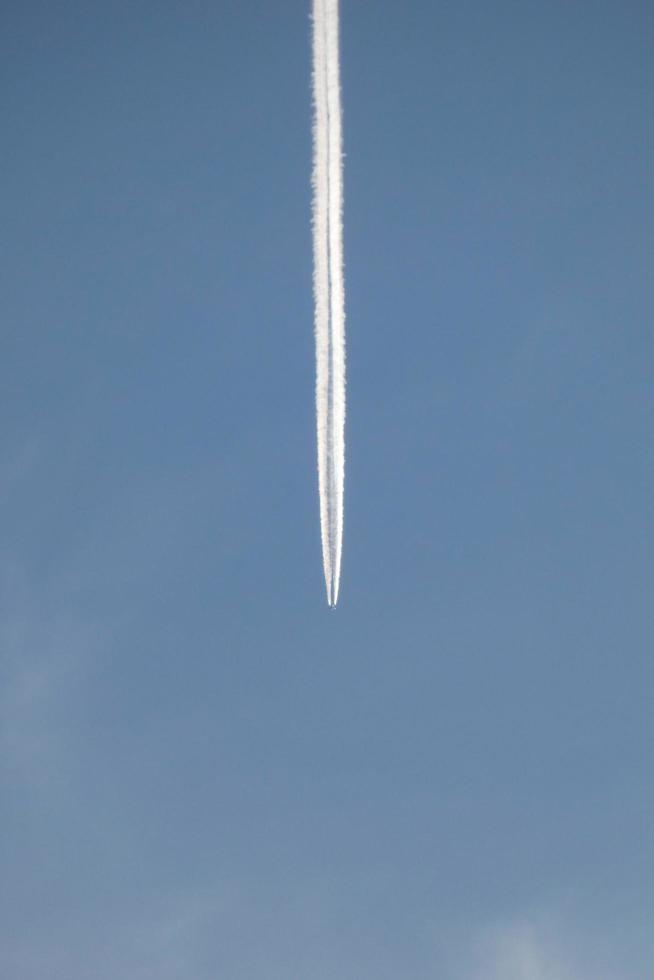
x=328 y=287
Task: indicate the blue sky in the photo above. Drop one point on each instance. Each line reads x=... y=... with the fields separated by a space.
x=203 y=771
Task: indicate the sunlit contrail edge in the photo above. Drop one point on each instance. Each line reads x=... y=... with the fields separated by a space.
x=328 y=287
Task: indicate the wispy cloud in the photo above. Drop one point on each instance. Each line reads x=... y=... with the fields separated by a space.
x=43 y=655
x=535 y=948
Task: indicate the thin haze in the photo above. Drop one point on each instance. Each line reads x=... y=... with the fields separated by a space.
x=328 y=287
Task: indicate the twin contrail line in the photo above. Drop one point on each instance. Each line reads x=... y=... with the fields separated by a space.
x=328 y=287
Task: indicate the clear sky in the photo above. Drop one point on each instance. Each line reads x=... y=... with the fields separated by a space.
x=205 y=774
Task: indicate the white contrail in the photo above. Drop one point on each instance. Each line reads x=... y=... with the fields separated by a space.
x=328 y=286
